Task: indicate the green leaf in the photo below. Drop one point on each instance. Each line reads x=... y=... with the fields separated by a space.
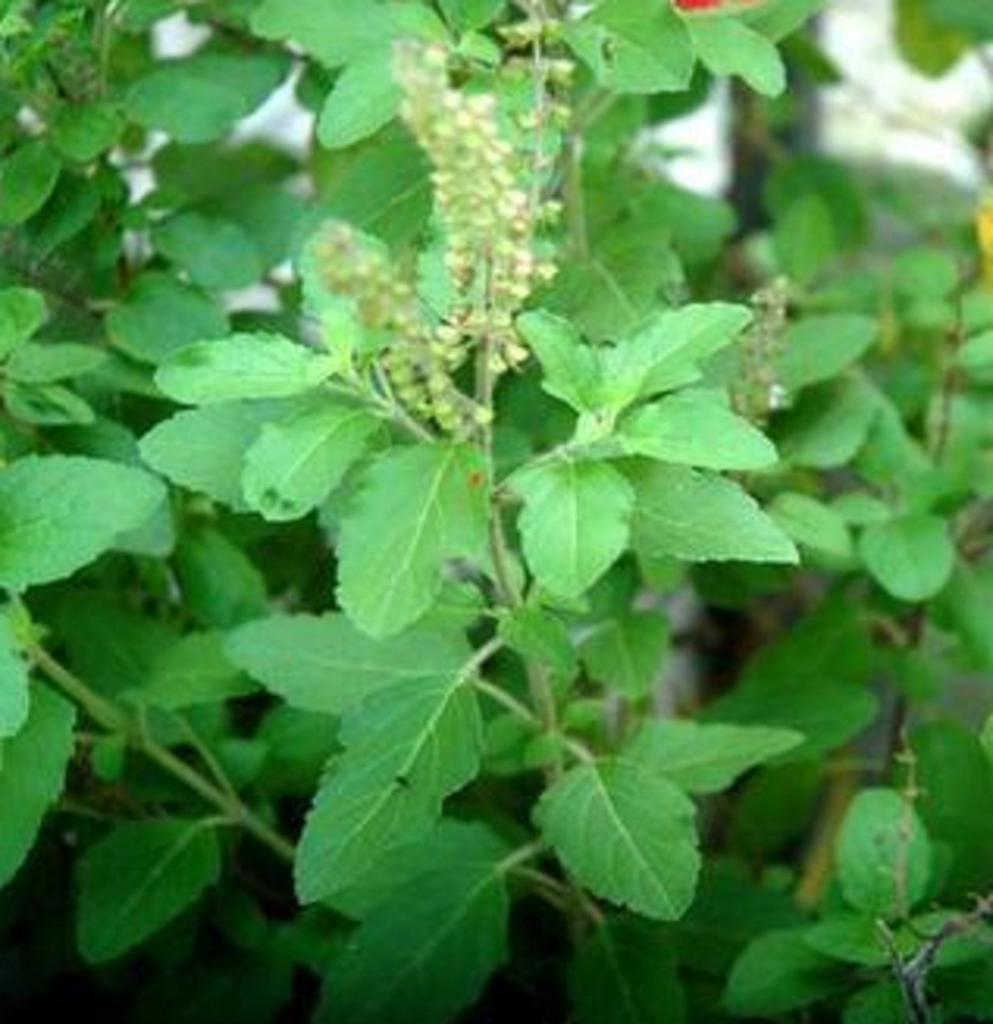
x=539 y=636
x=727 y=46
x=777 y=973
x=204 y=449
x=818 y=348
x=627 y=654
x=425 y=954
x=884 y=855
x=634 y=46
x=829 y=424
x=407 y=747
x=27 y=178
x=695 y=428
x=704 y=758
x=911 y=558
x=191 y=671
x=200 y=98
x=333 y=31
x=417 y=507
x=83 y=131
x=571 y=368
x=242 y=366
x=363 y=99
x=626 y=973
x=13 y=682
x=467 y=15
x=22 y=312
x=574 y=524
x=298 y=461
x=626 y=833
x=59 y=512
x=700 y=517
x=32 y=769
x=812 y=524
x=138 y=878
x=323 y=663
x=159 y=316
x=216 y=253
x=46 y=363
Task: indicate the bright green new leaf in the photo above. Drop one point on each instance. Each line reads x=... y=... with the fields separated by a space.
x=299 y=460
x=407 y=748
x=911 y=557
x=626 y=833
x=704 y=758
x=138 y=878
x=13 y=682
x=700 y=517
x=812 y=524
x=627 y=654
x=695 y=428
x=333 y=31
x=634 y=46
x=32 y=769
x=27 y=178
x=418 y=506
x=571 y=369
x=323 y=663
x=47 y=363
x=363 y=99
x=818 y=348
x=425 y=954
x=626 y=973
x=204 y=449
x=726 y=46
x=22 y=312
x=884 y=855
x=242 y=366
x=59 y=512
x=574 y=524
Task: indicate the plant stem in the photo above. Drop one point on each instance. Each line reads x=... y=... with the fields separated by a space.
x=108 y=715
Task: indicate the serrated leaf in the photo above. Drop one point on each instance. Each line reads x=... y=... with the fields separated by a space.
x=574 y=524
x=695 y=429
x=406 y=748
x=60 y=512
x=323 y=663
x=627 y=654
x=626 y=973
x=32 y=769
x=700 y=517
x=13 y=682
x=626 y=833
x=138 y=878
x=416 y=507
x=702 y=758
x=884 y=855
x=363 y=99
x=425 y=954
x=571 y=369
x=912 y=557
x=242 y=366
x=298 y=461
x=204 y=449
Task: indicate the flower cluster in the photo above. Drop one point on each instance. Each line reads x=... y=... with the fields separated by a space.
x=757 y=392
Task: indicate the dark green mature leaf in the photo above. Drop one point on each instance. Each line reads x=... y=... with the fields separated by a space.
x=626 y=973
x=695 y=428
x=299 y=460
x=704 y=758
x=912 y=557
x=13 y=682
x=138 y=878
x=325 y=664
x=243 y=366
x=407 y=748
x=425 y=954
x=627 y=654
x=884 y=855
x=32 y=768
x=215 y=252
x=777 y=974
x=818 y=348
x=83 y=131
x=417 y=507
x=22 y=312
x=574 y=524
x=27 y=179
x=626 y=833
x=59 y=512
x=701 y=517
x=193 y=670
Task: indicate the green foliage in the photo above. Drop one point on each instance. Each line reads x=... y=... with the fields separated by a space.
x=453 y=571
